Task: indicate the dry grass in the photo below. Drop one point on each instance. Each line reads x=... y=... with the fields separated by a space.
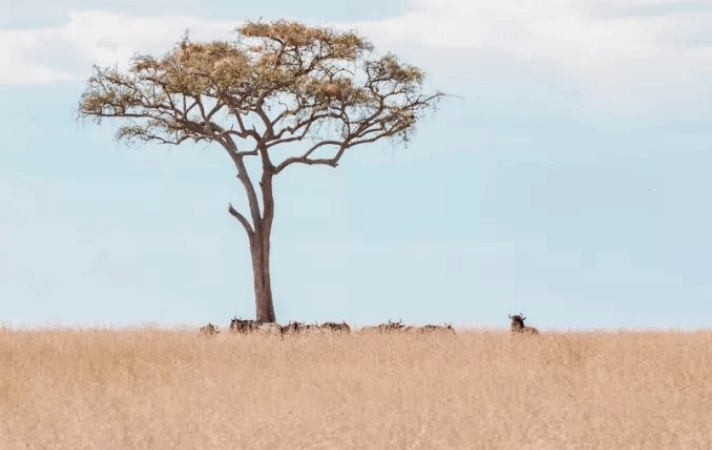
x=152 y=389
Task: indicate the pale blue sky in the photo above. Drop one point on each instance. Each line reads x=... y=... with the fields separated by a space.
x=570 y=181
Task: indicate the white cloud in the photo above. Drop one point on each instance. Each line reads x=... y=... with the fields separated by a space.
x=621 y=57
x=95 y=37
x=593 y=38
x=598 y=38
x=15 y=65
x=108 y=38
x=632 y=54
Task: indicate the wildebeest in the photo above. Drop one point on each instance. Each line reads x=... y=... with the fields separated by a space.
x=298 y=327
x=243 y=326
x=389 y=327
x=447 y=328
x=292 y=328
x=209 y=329
x=342 y=327
x=518 y=325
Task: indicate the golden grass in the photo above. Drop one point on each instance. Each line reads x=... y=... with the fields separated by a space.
x=153 y=389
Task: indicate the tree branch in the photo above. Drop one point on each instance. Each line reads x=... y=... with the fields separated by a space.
x=242 y=219
x=305 y=157
x=291 y=88
x=244 y=178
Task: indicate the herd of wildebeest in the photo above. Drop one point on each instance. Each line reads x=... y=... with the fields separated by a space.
x=294 y=328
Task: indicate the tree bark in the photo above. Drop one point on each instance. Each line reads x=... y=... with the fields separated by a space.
x=259 y=247
x=259 y=233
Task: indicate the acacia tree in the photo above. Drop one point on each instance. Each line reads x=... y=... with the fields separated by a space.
x=314 y=91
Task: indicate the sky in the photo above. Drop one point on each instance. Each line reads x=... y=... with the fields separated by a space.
x=565 y=178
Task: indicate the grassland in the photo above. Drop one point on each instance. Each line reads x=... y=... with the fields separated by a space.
x=157 y=389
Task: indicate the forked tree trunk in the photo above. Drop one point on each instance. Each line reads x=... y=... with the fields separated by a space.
x=260 y=249
x=259 y=233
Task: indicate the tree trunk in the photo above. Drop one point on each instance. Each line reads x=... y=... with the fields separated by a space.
x=259 y=247
x=259 y=232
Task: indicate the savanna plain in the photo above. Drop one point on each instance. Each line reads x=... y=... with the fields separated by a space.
x=480 y=389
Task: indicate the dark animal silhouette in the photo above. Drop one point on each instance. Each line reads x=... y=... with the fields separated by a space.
x=519 y=327
x=342 y=327
x=209 y=329
x=389 y=327
x=447 y=328
x=243 y=326
x=292 y=328
x=298 y=327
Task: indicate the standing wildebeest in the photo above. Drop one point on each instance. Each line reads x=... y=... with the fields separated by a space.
x=209 y=329
x=518 y=325
x=243 y=326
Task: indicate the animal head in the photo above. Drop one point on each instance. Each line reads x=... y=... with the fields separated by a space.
x=392 y=326
x=517 y=320
x=518 y=325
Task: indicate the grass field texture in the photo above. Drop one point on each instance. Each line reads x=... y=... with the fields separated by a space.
x=479 y=389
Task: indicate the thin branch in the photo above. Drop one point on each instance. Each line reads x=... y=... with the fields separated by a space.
x=244 y=178
x=305 y=124
x=242 y=219
x=305 y=156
